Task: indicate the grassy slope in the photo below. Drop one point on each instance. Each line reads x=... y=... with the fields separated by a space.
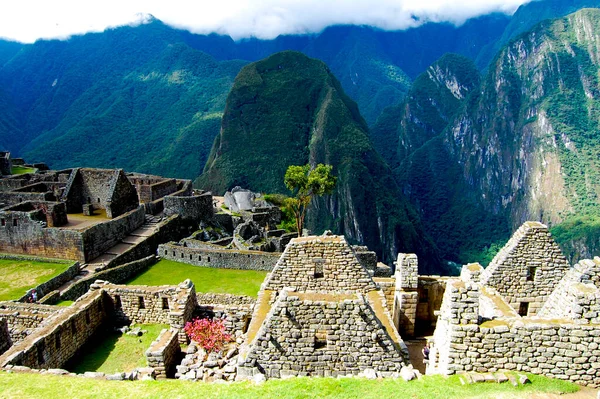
x=19 y=170
x=17 y=276
x=111 y=352
x=206 y=279
x=33 y=385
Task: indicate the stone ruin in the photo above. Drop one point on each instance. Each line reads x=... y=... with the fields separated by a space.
x=320 y=313
x=527 y=311
x=325 y=309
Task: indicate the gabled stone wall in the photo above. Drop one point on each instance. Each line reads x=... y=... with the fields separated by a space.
x=527 y=268
x=319 y=264
x=322 y=335
x=577 y=296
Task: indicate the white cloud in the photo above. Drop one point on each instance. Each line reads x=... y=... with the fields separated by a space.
x=28 y=20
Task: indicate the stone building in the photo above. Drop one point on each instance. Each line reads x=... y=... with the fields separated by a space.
x=102 y=189
x=527 y=311
x=320 y=313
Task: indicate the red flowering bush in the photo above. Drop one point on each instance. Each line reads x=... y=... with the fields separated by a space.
x=209 y=334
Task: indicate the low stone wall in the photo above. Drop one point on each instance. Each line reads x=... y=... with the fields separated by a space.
x=5 y=341
x=431 y=291
x=172 y=305
x=23 y=318
x=115 y=275
x=103 y=236
x=164 y=354
x=219 y=258
x=234 y=310
x=52 y=345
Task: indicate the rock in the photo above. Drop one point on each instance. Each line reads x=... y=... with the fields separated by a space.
x=93 y=374
x=477 y=378
x=512 y=380
x=116 y=377
x=523 y=379
x=191 y=349
x=407 y=373
x=369 y=374
x=259 y=379
x=57 y=371
x=229 y=369
x=21 y=368
x=231 y=353
x=210 y=363
x=501 y=377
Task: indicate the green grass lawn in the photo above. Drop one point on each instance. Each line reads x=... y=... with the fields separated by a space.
x=17 y=276
x=206 y=279
x=111 y=352
x=64 y=302
x=47 y=386
x=19 y=170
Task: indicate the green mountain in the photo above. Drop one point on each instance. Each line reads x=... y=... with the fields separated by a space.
x=132 y=97
x=522 y=146
x=525 y=18
x=289 y=109
x=409 y=136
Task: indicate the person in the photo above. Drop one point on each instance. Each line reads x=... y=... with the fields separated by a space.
x=34 y=297
x=426 y=352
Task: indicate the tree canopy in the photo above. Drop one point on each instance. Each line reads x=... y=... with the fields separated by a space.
x=305 y=183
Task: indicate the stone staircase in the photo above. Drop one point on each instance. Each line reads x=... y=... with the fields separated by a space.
x=135 y=237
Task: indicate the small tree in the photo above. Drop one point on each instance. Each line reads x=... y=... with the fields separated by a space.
x=209 y=334
x=305 y=183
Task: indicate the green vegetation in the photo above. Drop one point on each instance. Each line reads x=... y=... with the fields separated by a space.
x=291 y=110
x=306 y=182
x=29 y=385
x=17 y=276
x=206 y=279
x=288 y=221
x=111 y=352
x=20 y=170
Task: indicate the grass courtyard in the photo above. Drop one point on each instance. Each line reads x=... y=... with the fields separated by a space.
x=111 y=352
x=35 y=386
x=206 y=279
x=19 y=275
x=20 y=170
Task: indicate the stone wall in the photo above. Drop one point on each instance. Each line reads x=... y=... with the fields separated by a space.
x=431 y=292
x=9 y=198
x=5 y=341
x=197 y=208
x=61 y=336
x=322 y=335
x=325 y=264
x=404 y=310
x=116 y=275
x=107 y=189
x=5 y=163
x=219 y=258
x=100 y=237
x=577 y=296
x=164 y=353
x=24 y=318
x=156 y=190
x=235 y=310
x=172 y=305
x=527 y=268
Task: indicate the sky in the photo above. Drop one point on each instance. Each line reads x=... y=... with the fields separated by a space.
x=29 y=20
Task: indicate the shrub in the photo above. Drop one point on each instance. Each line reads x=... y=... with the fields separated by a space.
x=209 y=334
